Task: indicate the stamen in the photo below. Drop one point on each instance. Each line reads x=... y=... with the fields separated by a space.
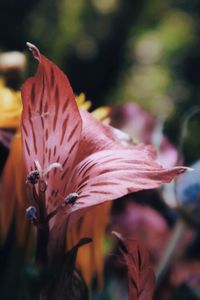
x=52 y=166
x=31 y=213
x=38 y=167
x=71 y=198
x=44 y=172
x=33 y=177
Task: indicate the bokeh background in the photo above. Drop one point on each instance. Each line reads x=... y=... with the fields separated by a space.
x=118 y=51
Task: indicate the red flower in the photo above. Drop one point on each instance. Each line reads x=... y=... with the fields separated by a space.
x=73 y=161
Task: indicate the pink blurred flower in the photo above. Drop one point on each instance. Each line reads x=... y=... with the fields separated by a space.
x=143 y=223
x=144 y=127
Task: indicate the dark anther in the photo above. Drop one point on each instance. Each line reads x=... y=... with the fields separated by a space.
x=71 y=198
x=31 y=213
x=33 y=177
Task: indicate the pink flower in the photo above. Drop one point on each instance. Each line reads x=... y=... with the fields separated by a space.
x=143 y=126
x=73 y=161
x=143 y=223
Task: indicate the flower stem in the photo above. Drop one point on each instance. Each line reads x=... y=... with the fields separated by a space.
x=42 y=230
x=41 y=247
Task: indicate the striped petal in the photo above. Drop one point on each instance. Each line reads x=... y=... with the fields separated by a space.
x=107 y=175
x=51 y=123
x=95 y=136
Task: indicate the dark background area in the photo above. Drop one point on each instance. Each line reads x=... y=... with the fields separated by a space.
x=114 y=51
x=108 y=49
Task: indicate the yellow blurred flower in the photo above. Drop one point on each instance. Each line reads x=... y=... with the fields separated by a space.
x=82 y=102
x=100 y=113
x=10 y=107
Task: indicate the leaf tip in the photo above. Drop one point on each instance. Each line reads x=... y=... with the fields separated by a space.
x=117 y=235
x=189 y=169
x=35 y=51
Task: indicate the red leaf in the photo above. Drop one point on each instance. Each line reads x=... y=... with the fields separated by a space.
x=51 y=123
x=141 y=278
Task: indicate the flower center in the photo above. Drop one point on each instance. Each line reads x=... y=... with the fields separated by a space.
x=39 y=174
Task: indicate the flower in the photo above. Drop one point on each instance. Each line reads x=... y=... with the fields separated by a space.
x=14 y=200
x=74 y=153
x=143 y=126
x=143 y=223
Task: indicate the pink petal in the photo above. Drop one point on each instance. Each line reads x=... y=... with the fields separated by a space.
x=168 y=154
x=51 y=123
x=135 y=121
x=107 y=175
x=95 y=136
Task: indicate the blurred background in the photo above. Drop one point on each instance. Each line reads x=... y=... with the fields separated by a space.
x=116 y=51
x=147 y=54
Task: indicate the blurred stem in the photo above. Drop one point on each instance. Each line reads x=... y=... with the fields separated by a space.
x=184 y=131
x=41 y=247
x=168 y=254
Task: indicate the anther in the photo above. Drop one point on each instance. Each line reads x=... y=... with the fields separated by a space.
x=71 y=198
x=33 y=177
x=31 y=213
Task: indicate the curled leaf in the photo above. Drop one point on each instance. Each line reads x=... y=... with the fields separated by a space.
x=65 y=282
x=141 y=278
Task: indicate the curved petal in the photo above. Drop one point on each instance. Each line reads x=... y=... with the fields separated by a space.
x=107 y=175
x=95 y=136
x=51 y=123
